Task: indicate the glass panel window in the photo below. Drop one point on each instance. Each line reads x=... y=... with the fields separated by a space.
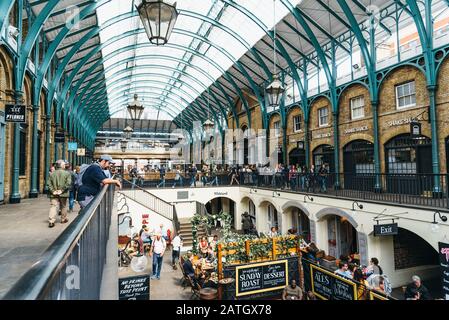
x=323 y=116
x=406 y=95
x=297 y=123
x=358 y=107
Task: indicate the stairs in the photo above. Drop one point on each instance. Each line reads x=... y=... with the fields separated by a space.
x=185 y=231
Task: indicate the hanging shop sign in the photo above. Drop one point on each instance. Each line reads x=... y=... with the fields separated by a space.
x=261 y=277
x=443 y=250
x=354 y=130
x=415 y=129
x=15 y=113
x=81 y=152
x=390 y=229
x=134 y=288
x=72 y=146
x=59 y=137
x=329 y=286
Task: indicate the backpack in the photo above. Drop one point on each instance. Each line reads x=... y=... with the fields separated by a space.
x=79 y=178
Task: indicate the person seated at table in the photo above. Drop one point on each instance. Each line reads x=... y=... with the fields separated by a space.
x=311 y=296
x=203 y=245
x=145 y=236
x=272 y=233
x=189 y=270
x=343 y=270
x=214 y=242
x=292 y=292
x=210 y=257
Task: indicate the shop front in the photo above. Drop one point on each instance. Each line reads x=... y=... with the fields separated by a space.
x=324 y=154
x=408 y=163
x=358 y=165
x=297 y=157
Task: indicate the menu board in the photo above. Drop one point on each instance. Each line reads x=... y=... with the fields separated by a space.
x=329 y=286
x=261 y=277
x=443 y=249
x=134 y=288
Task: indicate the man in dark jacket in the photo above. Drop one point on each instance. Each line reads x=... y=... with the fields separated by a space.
x=416 y=290
x=246 y=223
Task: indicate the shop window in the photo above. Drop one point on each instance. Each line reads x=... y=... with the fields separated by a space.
x=406 y=95
x=358 y=107
x=297 y=123
x=22 y=151
x=323 y=116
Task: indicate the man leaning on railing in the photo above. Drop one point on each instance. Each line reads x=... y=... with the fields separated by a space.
x=93 y=179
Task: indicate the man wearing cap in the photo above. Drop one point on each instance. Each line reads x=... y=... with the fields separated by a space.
x=94 y=179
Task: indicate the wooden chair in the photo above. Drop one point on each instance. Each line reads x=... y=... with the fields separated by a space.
x=196 y=288
x=185 y=278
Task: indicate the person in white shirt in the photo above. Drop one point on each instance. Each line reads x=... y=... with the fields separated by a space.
x=177 y=244
x=273 y=232
x=157 y=252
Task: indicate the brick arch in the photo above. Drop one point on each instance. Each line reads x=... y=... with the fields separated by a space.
x=359 y=136
x=390 y=136
x=320 y=215
x=392 y=71
x=352 y=86
x=317 y=98
x=293 y=108
x=5 y=70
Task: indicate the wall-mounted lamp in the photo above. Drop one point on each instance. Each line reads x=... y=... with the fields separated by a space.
x=276 y=194
x=306 y=196
x=360 y=206
x=356 y=66
x=434 y=227
x=251 y=191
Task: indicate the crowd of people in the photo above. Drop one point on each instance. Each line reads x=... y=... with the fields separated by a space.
x=296 y=178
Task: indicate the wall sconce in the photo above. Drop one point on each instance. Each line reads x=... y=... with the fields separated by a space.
x=434 y=227
x=360 y=206
x=275 y=193
x=306 y=196
x=251 y=191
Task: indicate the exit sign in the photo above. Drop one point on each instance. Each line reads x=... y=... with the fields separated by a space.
x=390 y=229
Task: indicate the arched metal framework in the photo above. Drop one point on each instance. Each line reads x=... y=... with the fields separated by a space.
x=81 y=92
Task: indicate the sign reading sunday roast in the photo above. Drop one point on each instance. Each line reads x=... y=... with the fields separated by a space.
x=261 y=277
x=329 y=286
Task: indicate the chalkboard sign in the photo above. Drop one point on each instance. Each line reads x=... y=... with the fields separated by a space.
x=261 y=277
x=329 y=286
x=134 y=288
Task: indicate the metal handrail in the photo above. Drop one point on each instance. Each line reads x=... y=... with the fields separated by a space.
x=171 y=215
x=36 y=282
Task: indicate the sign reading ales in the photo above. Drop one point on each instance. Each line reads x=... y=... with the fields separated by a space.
x=328 y=286
x=261 y=277
x=15 y=113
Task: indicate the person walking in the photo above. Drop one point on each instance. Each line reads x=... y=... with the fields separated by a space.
x=192 y=172
x=178 y=178
x=234 y=175
x=58 y=184
x=133 y=175
x=93 y=179
x=162 y=177
x=157 y=252
x=176 y=250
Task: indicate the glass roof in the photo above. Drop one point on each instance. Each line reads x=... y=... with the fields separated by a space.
x=168 y=78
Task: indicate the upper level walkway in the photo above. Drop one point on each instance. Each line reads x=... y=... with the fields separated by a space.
x=24 y=236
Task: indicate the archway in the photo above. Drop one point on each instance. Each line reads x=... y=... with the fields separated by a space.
x=268 y=217
x=222 y=204
x=358 y=165
x=408 y=162
x=248 y=205
x=297 y=221
x=297 y=157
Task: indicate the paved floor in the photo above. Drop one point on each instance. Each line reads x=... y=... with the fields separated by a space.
x=24 y=236
x=169 y=286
